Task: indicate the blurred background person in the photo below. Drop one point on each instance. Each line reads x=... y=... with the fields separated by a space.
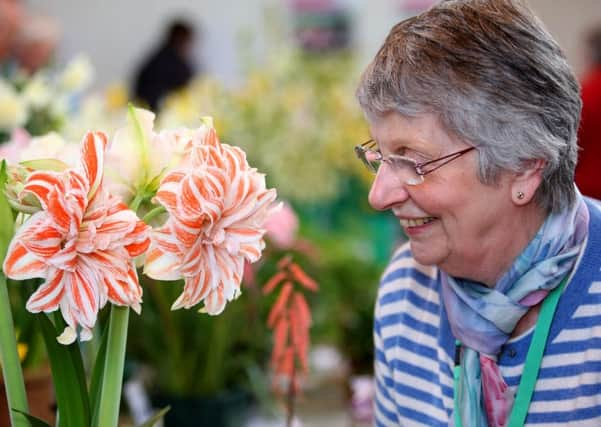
x=588 y=176
x=36 y=42
x=11 y=17
x=168 y=68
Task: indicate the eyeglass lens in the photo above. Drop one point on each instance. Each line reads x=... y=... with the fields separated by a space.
x=404 y=168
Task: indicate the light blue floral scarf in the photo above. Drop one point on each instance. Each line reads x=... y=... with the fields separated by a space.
x=483 y=318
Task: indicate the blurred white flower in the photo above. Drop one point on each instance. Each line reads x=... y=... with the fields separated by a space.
x=91 y=114
x=37 y=92
x=13 y=110
x=78 y=74
x=51 y=146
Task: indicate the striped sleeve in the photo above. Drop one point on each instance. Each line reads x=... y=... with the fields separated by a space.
x=384 y=407
x=407 y=352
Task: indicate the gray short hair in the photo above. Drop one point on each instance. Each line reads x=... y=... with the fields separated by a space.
x=495 y=77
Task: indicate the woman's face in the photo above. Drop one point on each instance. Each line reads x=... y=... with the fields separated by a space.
x=452 y=219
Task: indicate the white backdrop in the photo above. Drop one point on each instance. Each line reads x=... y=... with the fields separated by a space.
x=118 y=33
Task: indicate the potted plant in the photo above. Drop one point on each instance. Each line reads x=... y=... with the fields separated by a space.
x=82 y=240
x=198 y=365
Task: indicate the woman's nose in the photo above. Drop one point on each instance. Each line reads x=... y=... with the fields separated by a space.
x=386 y=190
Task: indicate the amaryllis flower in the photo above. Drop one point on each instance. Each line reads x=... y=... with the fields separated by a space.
x=82 y=242
x=217 y=205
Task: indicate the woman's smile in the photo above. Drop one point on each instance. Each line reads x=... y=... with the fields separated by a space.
x=415 y=226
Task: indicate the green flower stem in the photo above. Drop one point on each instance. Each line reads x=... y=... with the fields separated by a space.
x=135 y=204
x=112 y=379
x=9 y=356
x=153 y=214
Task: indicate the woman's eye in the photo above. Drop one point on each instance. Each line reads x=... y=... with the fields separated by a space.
x=417 y=156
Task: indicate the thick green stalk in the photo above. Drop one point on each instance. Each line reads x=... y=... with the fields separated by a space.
x=135 y=204
x=9 y=356
x=112 y=378
x=153 y=214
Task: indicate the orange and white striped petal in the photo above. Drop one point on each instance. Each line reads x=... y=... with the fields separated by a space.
x=39 y=236
x=21 y=263
x=92 y=154
x=124 y=290
x=196 y=288
x=162 y=265
x=49 y=295
x=61 y=214
x=82 y=295
x=40 y=183
x=215 y=302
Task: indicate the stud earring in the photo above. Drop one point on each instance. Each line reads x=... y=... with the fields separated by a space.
x=520 y=195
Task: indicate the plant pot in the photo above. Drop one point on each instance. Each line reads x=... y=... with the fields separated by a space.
x=226 y=409
x=40 y=395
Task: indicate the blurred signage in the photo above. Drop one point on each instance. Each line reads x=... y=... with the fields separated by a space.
x=415 y=6
x=321 y=25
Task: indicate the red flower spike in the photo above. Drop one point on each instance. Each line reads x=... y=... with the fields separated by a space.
x=286 y=366
x=280 y=338
x=279 y=308
x=275 y=280
x=302 y=308
x=301 y=277
x=283 y=263
x=290 y=318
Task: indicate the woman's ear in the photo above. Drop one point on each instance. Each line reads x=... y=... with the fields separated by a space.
x=526 y=182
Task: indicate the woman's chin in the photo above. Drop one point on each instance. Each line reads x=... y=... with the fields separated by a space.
x=425 y=254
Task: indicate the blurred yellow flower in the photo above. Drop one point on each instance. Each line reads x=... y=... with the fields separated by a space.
x=22 y=349
x=116 y=96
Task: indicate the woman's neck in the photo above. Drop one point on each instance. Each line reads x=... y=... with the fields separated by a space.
x=500 y=250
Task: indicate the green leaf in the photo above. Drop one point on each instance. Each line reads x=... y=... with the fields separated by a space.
x=68 y=377
x=33 y=421
x=6 y=214
x=97 y=374
x=54 y=165
x=9 y=357
x=154 y=183
x=150 y=422
x=76 y=360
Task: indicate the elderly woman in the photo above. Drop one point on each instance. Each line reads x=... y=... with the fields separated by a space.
x=490 y=315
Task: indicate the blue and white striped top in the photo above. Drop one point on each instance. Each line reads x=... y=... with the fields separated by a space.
x=414 y=347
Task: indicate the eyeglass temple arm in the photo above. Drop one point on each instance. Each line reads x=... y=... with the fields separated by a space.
x=448 y=158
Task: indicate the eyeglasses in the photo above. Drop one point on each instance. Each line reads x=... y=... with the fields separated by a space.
x=410 y=171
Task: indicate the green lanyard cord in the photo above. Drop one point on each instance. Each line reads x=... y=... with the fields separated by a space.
x=456 y=375
x=531 y=365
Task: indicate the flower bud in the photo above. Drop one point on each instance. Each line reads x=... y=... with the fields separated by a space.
x=21 y=201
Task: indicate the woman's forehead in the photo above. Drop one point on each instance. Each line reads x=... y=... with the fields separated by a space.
x=424 y=132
